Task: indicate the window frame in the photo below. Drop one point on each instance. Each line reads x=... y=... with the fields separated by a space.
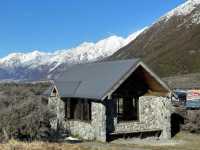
x=82 y=105
x=121 y=119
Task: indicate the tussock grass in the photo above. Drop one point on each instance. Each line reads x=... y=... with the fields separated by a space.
x=184 y=140
x=37 y=145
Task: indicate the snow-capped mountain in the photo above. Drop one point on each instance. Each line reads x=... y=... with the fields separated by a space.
x=183 y=10
x=39 y=65
x=171 y=45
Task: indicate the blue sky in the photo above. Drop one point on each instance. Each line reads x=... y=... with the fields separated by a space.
x=48 y=25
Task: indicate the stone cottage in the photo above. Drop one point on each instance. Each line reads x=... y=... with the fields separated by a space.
x=98 y=101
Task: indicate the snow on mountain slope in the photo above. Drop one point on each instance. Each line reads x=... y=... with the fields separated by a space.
x=21 y=65
x=134 y=36
x=182 y=10
x=171 y=45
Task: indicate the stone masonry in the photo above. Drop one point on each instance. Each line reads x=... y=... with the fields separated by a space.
x=94 y=130
x=154 y=114
x=56 y=105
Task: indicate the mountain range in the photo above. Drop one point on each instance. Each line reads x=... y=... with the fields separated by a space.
x=170 y=46
x=39 y=65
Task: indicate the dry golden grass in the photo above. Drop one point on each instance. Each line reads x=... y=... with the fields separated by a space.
x=17 y=145
x=185 y=141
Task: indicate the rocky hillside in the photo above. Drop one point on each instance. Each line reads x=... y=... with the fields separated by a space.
x=171 y=46
x=186 y=81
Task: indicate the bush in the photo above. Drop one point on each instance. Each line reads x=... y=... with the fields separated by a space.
x=24 y=113
x=192 y=121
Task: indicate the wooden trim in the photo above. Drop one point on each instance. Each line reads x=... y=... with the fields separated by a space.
x=84 y=121
x=118 y=83
x=57 y=95
x=155 y=76
x=128 y=121
x=128 y=73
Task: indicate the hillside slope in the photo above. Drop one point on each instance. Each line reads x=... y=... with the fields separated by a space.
x=187 y=81
x=171 y=46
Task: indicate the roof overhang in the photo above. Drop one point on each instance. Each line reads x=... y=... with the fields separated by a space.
x=129 y=72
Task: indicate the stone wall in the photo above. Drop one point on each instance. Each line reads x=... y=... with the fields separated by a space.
x=83 y=130
x=94 y=130
x=56 y=105
x=154 y=114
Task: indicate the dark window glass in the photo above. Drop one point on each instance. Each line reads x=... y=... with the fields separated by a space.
x=78 y=109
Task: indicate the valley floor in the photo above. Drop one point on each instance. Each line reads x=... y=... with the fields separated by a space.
x=186 y=141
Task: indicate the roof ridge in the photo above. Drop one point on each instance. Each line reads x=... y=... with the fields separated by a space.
x=135 y=60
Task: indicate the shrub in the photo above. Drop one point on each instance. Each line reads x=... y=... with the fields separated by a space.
x=24 y=113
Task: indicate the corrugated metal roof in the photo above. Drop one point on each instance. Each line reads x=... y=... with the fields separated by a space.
x=92 y=80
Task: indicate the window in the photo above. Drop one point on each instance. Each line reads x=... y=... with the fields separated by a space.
x=54 y=92
x=120 y=107
x=78 y=109
x=127 y=109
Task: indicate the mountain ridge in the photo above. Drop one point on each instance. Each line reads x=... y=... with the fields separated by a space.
x=170 y=46
x=38 y=65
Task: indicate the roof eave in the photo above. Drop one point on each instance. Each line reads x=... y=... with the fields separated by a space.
x=120 y=81
x=127 y=74
x=155 y=76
